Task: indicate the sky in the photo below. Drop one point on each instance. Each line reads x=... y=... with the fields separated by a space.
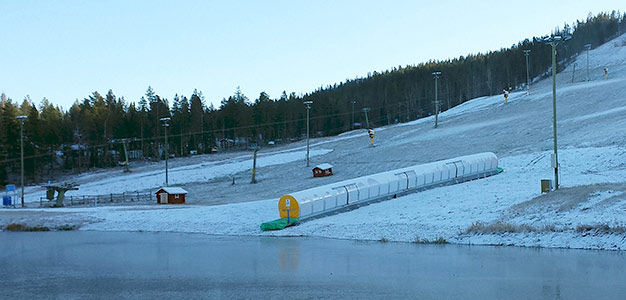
x=66 y=50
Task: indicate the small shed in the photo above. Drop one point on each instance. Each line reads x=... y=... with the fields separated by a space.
x=323 y=170
x=171 y=195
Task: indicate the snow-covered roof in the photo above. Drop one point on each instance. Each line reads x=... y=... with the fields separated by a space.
x=324 y=166
x=173 y=190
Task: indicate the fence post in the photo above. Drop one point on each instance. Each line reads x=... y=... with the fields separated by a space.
x=71 y=200
x=111 y=197
x=95 y=200
x=123 y=196
x=40 y=201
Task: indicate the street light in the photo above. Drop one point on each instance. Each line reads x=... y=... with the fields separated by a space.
x=308 y=109
x=554 y=41
x=167 y=147
x=527 y=53
x=22 y=118
x=588 y=47
x=436 y=75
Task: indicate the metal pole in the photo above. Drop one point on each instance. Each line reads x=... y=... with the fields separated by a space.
x=254 y=166
x=556 y=157
x=436 y=105
x=574 y=72
x=22 y=156
x=167 y=149
x=367 y=120
x=308 y=109
x=527 y=53
x=167 y=156
x=22 y=118
x=588 y=47
x=352 y=126
x=436 y=75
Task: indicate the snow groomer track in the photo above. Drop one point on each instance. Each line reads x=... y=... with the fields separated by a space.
x=349 y=194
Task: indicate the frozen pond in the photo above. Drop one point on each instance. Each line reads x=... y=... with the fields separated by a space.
x=79 y=264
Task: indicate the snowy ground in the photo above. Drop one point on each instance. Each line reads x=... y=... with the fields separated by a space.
x=507 y=209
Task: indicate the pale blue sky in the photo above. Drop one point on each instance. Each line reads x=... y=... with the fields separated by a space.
x=65 y=50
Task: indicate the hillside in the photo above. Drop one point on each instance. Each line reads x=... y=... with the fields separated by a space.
x=588 y=212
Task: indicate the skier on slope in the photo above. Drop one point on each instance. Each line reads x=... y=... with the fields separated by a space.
x=506 y=96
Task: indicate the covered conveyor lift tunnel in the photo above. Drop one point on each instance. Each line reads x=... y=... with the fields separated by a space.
x=353 y=193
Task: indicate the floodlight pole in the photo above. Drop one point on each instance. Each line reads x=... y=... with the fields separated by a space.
x=527 y=53
x=308 y=109
x=367 y=120
x=588 y=47
x=554 y=41
x=556 y=157
x=167 y=148
x=22 y=118
x=436 y=75
x=352 y=125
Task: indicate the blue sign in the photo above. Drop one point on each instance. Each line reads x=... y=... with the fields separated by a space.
x=10 y=187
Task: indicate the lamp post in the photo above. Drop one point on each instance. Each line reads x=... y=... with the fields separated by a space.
x=554 y=41
x=619 y=23
x=22 y=118
x=588 y=47
x=527 y=53
x=436 y=75
x=167 y=147
x=308 y=109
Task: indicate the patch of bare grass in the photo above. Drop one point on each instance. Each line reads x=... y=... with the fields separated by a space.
x=439 y=241
x=22 y=227
x=502 y=227
x=600 y=229
x=566 y=199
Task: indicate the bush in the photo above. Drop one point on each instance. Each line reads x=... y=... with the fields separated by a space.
x=67 y=227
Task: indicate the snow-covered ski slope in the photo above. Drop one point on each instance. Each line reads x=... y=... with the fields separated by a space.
x=504 y=209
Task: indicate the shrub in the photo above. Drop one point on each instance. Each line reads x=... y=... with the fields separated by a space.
x=67 y=227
